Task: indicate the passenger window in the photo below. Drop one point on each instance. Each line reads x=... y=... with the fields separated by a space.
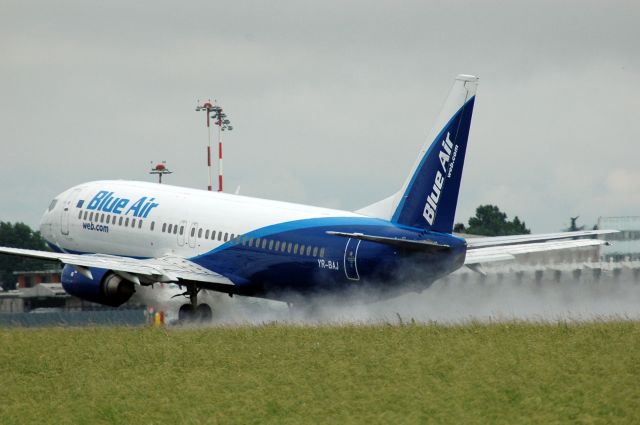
x=244 y=240
x=213 y=235
x=283 y=248
x=126 y=222
x=315 y=251
x=140 y=224
x=321 y=252
x=277 y=248
x=250 y=242
x=295 y=248
x=219 y=236
x=80 y=214
x=175 y=229
x=193 y=231
x=232 y=236
x=200 y=233
x=133 y=222
x=206 y=234
x=308 y=250
x=271 y=245
x=120 y=221
x=301 y=250
x=181 y=229
x=226 y=238
x=258 y=243
x=153 y=224
x=289 y=245
x=164 y=227
x=264 y=243
x=86 y=213
x=107 y=219
x=170 y=227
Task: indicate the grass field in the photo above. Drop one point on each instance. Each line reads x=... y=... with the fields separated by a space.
x=496 y=373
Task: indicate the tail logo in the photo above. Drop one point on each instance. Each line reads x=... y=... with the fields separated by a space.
x=447 y=156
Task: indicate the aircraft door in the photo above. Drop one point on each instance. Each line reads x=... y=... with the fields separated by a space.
x=193 y=230
x=66 y=206
x=181 y=230
x=351 y=259
x=64 y=219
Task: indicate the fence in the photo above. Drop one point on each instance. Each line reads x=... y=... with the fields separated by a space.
x=75 y=318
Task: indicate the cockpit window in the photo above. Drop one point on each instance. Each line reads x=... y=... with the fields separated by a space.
x=52 y=205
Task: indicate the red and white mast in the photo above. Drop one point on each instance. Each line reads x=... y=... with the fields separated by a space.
x=219 y=159
x=220 y=119
x=207 y=107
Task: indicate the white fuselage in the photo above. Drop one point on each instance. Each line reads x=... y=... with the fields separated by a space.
x=200 y=220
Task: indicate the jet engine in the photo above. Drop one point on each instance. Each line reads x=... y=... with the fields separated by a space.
x=105 y=287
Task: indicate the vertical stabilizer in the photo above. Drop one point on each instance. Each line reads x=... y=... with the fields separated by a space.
x=429 y=196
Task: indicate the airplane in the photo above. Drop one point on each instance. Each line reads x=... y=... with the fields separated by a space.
x=112 y=236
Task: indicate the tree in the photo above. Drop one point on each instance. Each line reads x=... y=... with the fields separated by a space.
x=459 y=228
x=490 y=221
x=19 y=235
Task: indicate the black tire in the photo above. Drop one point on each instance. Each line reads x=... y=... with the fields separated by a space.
x=204 y=313
x=186 y=314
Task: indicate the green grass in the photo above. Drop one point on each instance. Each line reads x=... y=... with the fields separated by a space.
x=497 y=373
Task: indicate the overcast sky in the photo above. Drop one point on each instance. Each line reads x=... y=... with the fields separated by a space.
x=331 y=100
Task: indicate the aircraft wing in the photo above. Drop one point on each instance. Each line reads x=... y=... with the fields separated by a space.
x=160 y=269
x=523 y=239
x=502 y=251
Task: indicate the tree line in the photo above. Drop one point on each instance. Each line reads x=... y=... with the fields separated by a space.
x=490 y=221
x=19 y=235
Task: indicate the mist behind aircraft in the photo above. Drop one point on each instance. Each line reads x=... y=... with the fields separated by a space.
x=461 y=298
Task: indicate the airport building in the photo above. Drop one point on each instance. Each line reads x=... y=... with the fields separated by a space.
x=29 y=279
x=625 y=246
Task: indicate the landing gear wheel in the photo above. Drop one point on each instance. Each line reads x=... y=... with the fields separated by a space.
x=203 y=313
x=186 y=313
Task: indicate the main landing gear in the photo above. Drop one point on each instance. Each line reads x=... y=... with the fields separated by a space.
x=194 y=312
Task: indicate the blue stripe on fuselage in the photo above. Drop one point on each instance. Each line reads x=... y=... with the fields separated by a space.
x=261 y=271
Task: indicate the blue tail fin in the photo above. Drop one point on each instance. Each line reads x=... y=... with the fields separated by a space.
x=429 y=196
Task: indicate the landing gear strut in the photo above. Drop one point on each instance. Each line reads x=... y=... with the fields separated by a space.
x=194 y=312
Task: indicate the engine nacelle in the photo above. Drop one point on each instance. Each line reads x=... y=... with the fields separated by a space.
x=105 y=288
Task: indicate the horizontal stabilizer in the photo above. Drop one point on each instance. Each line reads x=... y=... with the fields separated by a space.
x=508 y=252
x=520 y=239
x=415 y=245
